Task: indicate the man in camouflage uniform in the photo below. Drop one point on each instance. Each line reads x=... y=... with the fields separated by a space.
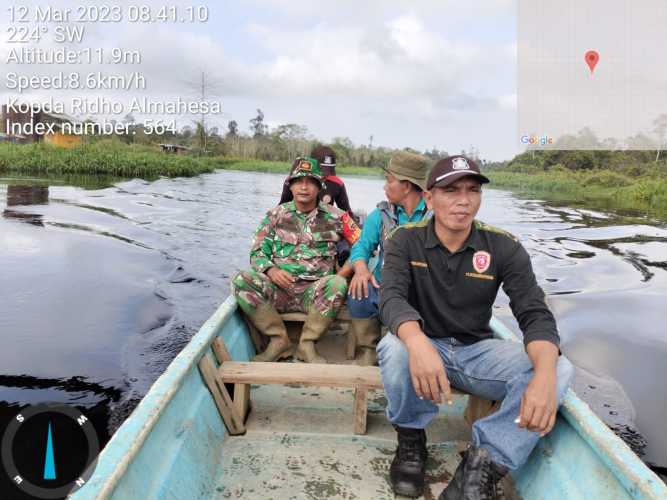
x=293 y=261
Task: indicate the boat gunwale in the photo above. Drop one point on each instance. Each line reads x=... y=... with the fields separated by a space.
x=638 y=480
x=156 y=400
x=610 y=449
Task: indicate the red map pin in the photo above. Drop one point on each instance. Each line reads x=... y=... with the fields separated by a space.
x=592 y=57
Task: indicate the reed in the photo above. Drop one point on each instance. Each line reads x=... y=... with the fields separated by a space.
x=102 y=158
x=598 y=187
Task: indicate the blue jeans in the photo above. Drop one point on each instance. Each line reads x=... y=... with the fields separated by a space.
x=368 y=307
x=492 y=369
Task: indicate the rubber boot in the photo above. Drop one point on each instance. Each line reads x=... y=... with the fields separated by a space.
x=476 y=477
x=367 y=334
x=313 y=328
x=268 y=322
x=408 y=468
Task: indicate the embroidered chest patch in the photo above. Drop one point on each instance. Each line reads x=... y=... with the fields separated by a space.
x=481 y=261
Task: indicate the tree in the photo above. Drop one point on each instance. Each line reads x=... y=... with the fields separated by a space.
x=257 y=126
x=660 y=128
x=232 y=128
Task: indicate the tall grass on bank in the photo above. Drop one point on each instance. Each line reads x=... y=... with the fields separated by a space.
x=278 y=167
x=645 y=193
x=102 y=158
x=114 y=158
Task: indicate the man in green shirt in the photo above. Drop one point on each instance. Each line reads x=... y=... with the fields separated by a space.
x=293 y=260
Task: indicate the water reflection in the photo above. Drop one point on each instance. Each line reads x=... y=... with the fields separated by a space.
x=112 y=282
x=19 y=195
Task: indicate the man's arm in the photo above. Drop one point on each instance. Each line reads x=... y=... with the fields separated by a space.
x=261 y=252
x=427 y=371
x=539 y=403
x=361 y=253
x=527 y=299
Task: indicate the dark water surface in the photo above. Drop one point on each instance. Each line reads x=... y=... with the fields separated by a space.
x=101 y=288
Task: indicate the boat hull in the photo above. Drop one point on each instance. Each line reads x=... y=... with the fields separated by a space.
x=174 y=443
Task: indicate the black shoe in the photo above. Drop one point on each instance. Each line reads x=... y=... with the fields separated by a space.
x=409 y=465
x=476 y=477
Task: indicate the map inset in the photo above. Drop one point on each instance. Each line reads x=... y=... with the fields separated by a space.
x=592 y=74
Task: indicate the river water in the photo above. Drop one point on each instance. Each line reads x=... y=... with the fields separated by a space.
x=101 y=288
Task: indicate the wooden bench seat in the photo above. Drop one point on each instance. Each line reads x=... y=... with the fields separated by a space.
x=238 y=372
x=242 y=375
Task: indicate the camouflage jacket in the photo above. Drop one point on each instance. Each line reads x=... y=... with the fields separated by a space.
x=302 y=244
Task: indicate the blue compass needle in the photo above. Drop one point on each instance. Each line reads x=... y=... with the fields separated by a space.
x=49 y=461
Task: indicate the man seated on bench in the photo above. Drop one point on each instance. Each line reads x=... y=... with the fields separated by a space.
x=405 y=181
x=293 y=259
x=439 y=282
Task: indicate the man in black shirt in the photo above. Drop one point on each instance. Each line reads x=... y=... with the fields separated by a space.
x=440 y=280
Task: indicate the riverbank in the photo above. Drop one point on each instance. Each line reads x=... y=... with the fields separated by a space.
x=640 y=195
x=278 y=167
x=112 y=158
x=109 y=158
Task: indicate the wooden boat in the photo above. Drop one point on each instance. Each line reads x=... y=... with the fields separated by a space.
x=298 y=440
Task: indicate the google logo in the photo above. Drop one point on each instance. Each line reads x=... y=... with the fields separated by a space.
x=532 y=139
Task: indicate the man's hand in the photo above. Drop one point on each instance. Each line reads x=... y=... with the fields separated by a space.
x=358 y=288
x=426 y=368
x=346 y=271
x=539 y=403
x=280 y=277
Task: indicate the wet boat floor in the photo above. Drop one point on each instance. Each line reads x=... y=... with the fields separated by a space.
x=300 y=444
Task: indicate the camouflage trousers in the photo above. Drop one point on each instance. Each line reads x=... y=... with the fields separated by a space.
x=252 y=289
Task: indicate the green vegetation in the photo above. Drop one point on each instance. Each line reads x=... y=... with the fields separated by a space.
x=101 y=158
x=278 y=167
x=629 y=180
x=119 y=160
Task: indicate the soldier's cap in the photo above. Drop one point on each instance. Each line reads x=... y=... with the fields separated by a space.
x=306 y=167
x=406 y=166
x=325 y=156
x=451 y=169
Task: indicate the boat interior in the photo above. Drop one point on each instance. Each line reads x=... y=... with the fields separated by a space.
x=300 y=441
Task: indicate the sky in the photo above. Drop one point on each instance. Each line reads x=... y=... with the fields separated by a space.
x=411 y=74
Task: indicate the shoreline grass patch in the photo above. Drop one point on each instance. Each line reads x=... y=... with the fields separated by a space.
x=600 y=188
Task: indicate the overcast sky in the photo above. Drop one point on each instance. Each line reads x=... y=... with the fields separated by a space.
x=419 y=74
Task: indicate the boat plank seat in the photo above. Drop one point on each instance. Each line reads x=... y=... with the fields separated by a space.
x=359 y=378
x=243 y=374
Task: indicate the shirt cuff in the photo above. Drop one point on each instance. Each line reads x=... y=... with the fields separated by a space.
x=401 y=318
x=542 y=335
x=262 y=266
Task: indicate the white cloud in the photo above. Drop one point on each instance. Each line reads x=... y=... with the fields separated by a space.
x=377 y=66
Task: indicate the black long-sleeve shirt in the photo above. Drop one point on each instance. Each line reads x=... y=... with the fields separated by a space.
x=334 y=192
x=451 y=294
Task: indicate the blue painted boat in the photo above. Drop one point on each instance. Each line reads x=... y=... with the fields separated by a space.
x=299 y=442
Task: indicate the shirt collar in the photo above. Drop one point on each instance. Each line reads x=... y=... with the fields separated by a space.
x=421 y=207
x=432 y=240
x=291 y=206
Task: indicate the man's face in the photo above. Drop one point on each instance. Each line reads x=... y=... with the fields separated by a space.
x=304 y=190
x=455 y=206
x=394 y=189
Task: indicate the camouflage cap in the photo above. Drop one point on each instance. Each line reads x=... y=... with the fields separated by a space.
x=305 y=167
x=407 y=166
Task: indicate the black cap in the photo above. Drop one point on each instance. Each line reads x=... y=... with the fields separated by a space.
x=452 y=169
x=324 y=155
